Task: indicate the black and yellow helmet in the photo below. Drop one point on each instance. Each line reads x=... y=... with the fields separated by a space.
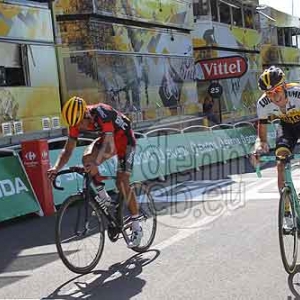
x=271 y=78
x=73 y=111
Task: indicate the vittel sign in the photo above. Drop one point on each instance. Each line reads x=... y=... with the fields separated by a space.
x=220 y=68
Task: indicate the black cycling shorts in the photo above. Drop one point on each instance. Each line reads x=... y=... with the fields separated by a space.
x=125 y=159
x=125 y=163
x=287 y=135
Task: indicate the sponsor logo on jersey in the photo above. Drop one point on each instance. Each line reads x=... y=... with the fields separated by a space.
x=121 y=123
x=264 y=101
x=294 y=94
x=291 y=107
x=291 y=117
x=101 y=112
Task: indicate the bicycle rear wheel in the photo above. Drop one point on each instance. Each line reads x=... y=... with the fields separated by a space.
x=147 y=217
x=288 y=232
x=79 y=234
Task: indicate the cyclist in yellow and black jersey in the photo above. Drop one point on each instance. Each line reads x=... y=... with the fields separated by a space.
x=282 y=100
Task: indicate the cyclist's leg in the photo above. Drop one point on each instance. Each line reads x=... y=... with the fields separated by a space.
x=124 y=170
x=285 y=144
x=125 y=164
x=88 y=160
x=125 y=148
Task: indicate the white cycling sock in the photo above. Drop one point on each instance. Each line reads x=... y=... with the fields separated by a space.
x=135 y=223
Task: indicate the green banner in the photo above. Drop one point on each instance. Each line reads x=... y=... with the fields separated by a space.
x=155 y=156
x=16 y=194
x=149 y=160
x=204 y=148
x=208 y=147
x=163 y=155
x=235 y=142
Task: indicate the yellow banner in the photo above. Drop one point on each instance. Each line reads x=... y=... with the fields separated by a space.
x=93 y=34
x=29 y=105
x=25 y=23
x=207 y=34
x=153 y=84
x=280 y=55
x=167 y=12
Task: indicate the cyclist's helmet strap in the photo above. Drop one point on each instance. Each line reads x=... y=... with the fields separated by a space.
x=271 y=78
x=73 y=111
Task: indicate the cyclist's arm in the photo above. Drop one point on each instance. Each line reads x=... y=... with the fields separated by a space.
x=108 y=145
x=262 y=130
x=261 y=143
x=65 y=153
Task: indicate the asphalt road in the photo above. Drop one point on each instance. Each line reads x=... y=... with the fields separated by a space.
x=216 y=239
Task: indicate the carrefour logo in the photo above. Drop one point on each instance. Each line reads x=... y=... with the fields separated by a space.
x=30 y=156
x=10 y=187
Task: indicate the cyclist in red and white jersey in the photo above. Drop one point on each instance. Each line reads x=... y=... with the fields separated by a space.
x=115 y=136
x=282 y=100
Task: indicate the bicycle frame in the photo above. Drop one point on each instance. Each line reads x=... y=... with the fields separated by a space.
x=288 y=180
x=289 y=184
x=87 y=193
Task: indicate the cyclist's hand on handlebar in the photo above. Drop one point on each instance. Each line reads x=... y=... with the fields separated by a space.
x=261 y=148
x=52 y=173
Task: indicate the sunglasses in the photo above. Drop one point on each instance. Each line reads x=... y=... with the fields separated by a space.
x=275 y=91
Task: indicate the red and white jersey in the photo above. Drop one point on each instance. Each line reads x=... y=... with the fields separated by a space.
x=266 y=108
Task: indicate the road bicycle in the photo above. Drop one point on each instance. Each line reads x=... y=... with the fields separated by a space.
x=288 y=208
x=84 y=217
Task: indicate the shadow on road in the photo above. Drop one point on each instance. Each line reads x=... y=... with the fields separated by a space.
x=25 y=233
x=120 y=281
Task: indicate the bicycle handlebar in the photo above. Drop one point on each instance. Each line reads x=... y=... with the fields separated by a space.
x=75 y=169
x=78 y=170
x=273 y=158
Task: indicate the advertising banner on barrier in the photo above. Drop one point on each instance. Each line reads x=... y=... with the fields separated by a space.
x=178 y=154
x=155 y=156
x=163 y=155
x=203 y=148
x=235 y=142
x=16 y=195
x=149 y=160
x=209 y=147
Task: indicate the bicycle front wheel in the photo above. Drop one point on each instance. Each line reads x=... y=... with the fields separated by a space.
x=288 y=233
x=79 y=234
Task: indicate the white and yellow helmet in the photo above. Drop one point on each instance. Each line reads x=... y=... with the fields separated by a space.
x=270 y=78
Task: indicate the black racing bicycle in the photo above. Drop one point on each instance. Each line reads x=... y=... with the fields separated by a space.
x=83 y=219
